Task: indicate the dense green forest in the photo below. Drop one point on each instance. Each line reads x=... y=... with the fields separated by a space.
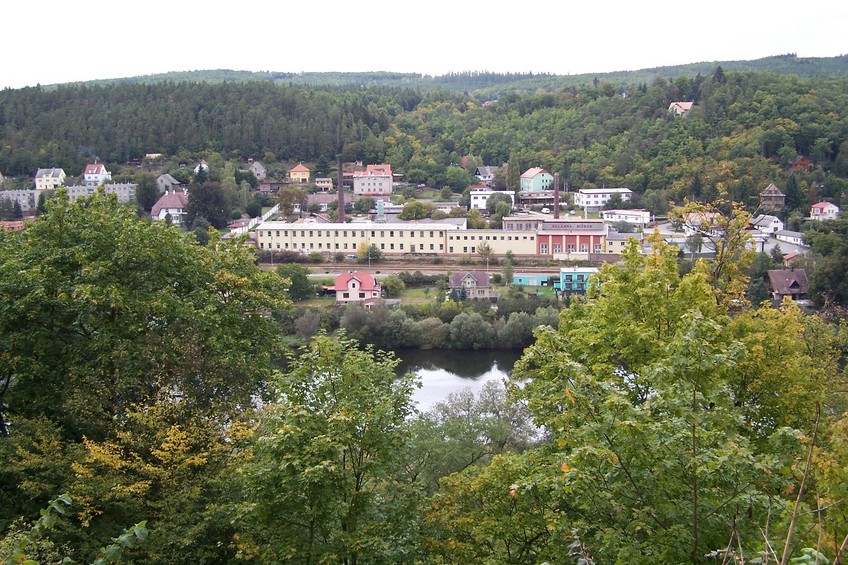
x=145 y=419
x=745 y=130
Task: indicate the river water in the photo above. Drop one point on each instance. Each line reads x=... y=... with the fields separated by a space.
x=442 y=372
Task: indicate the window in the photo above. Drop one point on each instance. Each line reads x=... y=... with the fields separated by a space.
x=570 y=248
x=584 y=248
x=543 y=248
x=345 y=295
x=557 y=248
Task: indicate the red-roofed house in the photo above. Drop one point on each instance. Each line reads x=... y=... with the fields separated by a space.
x=800 y=164
x=680 y=108
x=824 y=211
x=171 y=204
x=95 y=175
x=299 y=173
x=375 y=180
x=356 y=286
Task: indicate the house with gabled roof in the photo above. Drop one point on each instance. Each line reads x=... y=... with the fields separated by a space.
x=485 y=173
x=790 y=283
x=167 y=183
x=800 y=164
x=771 y=199
x=173 y=205
x=356 y=286
x=766 y=224
x=680 y=108
x=375 y=180
x=470 y=285
x=299 y=173
x=95 y=175
x=824 y=211
x=258 y=170
x=536 y=179
x=49 y=179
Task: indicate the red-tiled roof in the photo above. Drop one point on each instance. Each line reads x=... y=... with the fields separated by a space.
x=823 y=205
x=299 y=168
x=366 y=281
x=95 y=169
x=375 y=171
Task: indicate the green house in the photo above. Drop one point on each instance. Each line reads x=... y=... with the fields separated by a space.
x=536 y=179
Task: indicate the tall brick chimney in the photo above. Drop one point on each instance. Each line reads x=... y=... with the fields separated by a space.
x=556 y=196
x=340 y=210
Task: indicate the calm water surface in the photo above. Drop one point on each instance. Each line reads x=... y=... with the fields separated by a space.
x=445 y=371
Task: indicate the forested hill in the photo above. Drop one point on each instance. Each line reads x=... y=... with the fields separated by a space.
x=745 y=130
x=488 y=83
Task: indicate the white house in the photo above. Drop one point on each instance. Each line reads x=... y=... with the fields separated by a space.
x=824 y=211
x=324 y=183
x=485 y=173
x=640 y=218
x=480 y=197
x=680 y=108
x=95 y=175
x=356 y=286
x=171 y=204
x=49 y=179
x=793 y=237
x=375 y=180
x=767 y=224
x=596 y=198
x=201 y=165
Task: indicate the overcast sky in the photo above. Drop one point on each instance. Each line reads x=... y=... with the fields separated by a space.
x=50 y=41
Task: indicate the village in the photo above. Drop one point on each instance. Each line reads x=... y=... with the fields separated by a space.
x=569 y=233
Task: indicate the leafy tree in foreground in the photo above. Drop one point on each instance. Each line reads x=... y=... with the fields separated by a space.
x=320 y=477
x=677 y=429
x=105 y=317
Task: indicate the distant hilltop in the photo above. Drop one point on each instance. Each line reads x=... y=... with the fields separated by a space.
x=481 y=81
